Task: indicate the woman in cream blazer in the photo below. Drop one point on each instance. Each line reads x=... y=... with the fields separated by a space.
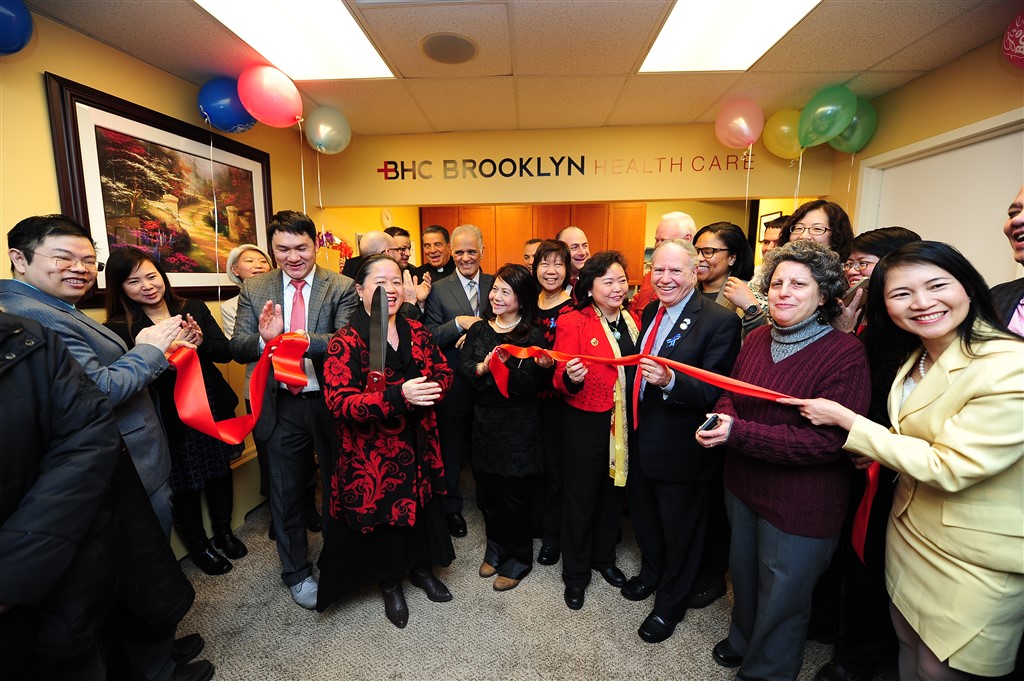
x=955 y=543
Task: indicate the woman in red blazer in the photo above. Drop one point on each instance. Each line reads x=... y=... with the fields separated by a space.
x=594 y=448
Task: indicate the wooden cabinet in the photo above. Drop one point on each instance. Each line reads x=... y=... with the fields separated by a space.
x=618 y=226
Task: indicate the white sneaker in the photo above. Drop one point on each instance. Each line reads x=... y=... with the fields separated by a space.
x=304 y=593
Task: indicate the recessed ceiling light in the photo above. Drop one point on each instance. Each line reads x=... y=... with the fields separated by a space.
x=310 y=40
x=724 y=35
x=448 y=48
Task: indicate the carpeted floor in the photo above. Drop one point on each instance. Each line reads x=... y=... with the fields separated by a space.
x=253 y=630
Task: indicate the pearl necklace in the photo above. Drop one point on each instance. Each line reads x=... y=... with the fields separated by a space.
x=920 y=364
x=510 y=326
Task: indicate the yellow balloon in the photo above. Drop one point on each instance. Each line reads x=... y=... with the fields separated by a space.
x=780 y=134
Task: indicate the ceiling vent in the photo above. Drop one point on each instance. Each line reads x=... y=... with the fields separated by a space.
x=448 y=48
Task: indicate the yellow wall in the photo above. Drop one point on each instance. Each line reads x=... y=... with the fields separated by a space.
x=979 y=85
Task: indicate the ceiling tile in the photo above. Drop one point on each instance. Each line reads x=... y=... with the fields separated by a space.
x=594 y=37
x=775 y=91
x=372 y=107
x=466 y=103
x=566 y=102
x=668 y=98
x=871 y=84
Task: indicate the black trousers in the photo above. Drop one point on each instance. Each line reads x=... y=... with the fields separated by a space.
x=505 y=503
x=592 y=509
x=455 y=430
x=551 y=482
x=670 y=521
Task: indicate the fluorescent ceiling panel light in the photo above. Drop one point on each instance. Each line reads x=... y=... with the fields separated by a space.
x=307 y=40
x=722 y=35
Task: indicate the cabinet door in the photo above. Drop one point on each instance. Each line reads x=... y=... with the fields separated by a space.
x=626 y=226
x=549 y=219
x=513 y=228
x=446 y=216
x=592 y=218
x=482 y=217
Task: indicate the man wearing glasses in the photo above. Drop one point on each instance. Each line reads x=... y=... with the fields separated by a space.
x=403 y=245
x=55 y=266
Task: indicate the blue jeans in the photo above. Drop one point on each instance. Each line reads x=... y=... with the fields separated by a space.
x=773 y=577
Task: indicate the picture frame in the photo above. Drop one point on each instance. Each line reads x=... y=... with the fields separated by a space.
x=136 y=177
x=763 y=223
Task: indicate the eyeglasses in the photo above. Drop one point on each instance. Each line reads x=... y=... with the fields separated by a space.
x=403 y=249
x=813 y=230
x=709 y=252
x=858 y=265
x=64 y=263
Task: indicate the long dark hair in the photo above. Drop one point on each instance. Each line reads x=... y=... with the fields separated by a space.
x=595 y=267
x=887 y=339
x=526 y=290
x=736 y=241
x=121 y=308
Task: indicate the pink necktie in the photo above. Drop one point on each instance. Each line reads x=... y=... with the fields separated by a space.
x=1017 y=321
x=648 y=346
x=298 y=318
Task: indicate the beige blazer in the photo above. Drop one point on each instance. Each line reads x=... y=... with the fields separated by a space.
x=955 y=545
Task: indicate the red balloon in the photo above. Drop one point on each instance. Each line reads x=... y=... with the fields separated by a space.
x=1013 y=42
x=270 y=96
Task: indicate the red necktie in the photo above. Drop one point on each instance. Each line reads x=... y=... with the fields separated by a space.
x=648 y=346
x=298 y=319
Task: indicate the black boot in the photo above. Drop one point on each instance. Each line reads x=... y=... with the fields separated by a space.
x=188 y=520
x=220 y=499
x=394 y=603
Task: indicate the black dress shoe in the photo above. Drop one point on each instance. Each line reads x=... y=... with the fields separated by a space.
x=837 y=672
x=725 y=655
x=271 y=534
x=548 y=555
x=614 y=576
x=395 y=607
x=186 y=648
x=209 y=561
x=225 y=541
x=636 y=590
x=193 y=671
x=456 y=524
x=313 y=522
x=656 y=629
x=431 y=585
x=574 y=596
x=707 y=593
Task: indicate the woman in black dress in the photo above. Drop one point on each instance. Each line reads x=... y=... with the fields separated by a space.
x=385 y=514
x=507 y=452
x=139 y=295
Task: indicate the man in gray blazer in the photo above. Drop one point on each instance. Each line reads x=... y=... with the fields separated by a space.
x=456 y=303
x=54 y=265
x=297 y=297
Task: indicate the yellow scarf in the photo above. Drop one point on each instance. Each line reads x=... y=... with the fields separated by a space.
x=618 y=449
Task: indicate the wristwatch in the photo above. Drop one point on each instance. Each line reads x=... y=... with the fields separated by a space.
x=752 y=310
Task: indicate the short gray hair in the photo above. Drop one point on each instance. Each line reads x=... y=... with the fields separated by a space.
x=471 y=229
x=682 y=243
x=825 y=268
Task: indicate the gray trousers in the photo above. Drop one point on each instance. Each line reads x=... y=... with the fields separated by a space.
x=773 y=577
x=303 y=425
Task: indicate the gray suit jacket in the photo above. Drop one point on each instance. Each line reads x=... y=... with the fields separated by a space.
x=447 y=300
x=332 y=298
x=120 y=373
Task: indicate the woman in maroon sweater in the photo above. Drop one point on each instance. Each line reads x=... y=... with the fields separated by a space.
x=787 y=482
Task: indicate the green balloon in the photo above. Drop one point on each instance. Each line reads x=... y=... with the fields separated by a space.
x=827 y=114
x=858 y=133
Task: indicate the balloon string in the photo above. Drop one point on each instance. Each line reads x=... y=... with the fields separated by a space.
x=746 y=195
x=216 y=213
x=319 y=192
x=302 y=166
x=849 y=182
x=799 y=171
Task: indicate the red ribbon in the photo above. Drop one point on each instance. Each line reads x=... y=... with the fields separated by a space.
x=285 y=353
x=500 y=371
x=860 y=520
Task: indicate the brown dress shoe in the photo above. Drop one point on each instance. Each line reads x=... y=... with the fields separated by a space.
x=503 y=583
x=487 y=570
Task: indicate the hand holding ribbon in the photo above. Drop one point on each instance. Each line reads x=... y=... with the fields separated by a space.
x=284 y=352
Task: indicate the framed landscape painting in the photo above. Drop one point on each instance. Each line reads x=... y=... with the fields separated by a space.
x=140 y=179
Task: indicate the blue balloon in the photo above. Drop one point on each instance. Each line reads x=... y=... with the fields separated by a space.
x=15 y=26
x=220 y=105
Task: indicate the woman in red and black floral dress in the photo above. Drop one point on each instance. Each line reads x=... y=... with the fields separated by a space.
x=384 y=516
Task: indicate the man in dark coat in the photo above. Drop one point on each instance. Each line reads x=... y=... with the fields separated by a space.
x=1009 y=297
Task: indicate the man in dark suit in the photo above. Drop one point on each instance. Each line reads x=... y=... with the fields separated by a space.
x=454 y=305
x=669 y=475
x=437 y=254
x=1009 y=297
x=298 y=297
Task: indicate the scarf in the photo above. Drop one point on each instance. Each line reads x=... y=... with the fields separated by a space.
x=618 y=450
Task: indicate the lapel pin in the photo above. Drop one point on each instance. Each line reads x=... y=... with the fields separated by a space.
x=593 y=341
x=671 y=342
x=685 y=324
